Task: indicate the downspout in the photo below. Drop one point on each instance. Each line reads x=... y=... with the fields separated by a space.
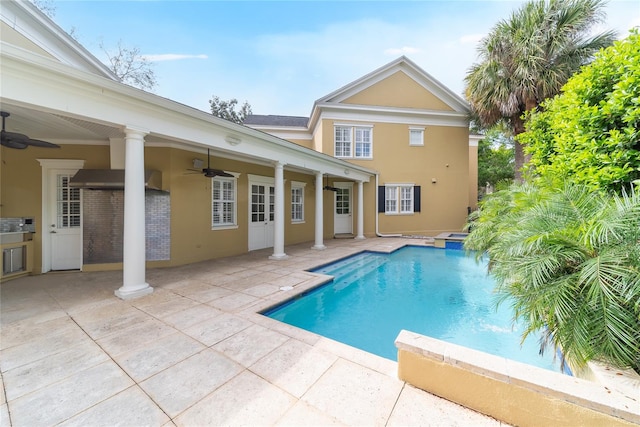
x=377 y=214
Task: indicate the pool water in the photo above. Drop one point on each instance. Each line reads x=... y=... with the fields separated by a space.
x=441 y=293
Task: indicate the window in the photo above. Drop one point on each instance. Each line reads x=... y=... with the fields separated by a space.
x=399 y=199
x=344 y=142
x=416 y=136
x=297 y=201
x=223 y=196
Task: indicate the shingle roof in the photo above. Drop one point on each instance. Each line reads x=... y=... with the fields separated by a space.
x=271 y=120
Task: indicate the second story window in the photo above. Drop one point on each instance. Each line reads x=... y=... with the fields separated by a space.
x=353 y=142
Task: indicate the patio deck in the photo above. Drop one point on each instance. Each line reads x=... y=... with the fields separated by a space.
x=194 y=352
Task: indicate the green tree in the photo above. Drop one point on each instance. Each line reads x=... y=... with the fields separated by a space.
x=495 y=158
x=228 y=109
x=590 y=134
x=529 y=57
x=569 y=260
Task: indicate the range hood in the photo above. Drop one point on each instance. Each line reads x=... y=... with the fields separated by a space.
x=112 y=179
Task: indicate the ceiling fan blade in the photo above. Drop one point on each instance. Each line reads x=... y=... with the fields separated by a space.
x=14 y=136
x=211 y=173
x=38 y=143
x=12 y=144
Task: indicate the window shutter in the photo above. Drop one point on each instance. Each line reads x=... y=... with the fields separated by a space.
x=381 y=199
x=416 y=198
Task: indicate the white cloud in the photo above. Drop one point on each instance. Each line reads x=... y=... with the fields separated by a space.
x=171 y=57
x=405 y=50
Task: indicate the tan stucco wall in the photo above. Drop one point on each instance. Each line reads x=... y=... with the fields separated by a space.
x=398 y=90
x=503 y=400
x=444 y=157
x=192 y=238
x=21 y=183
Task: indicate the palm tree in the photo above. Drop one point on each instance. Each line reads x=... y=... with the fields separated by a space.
x=529 y=57
x=568 y=260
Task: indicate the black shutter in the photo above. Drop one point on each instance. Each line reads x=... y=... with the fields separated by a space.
x=381 y=196
x=416 y=198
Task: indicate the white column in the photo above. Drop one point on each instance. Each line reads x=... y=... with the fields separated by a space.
x=360 y=225
x=319 y=244
x=133 y=259
x=278 y=232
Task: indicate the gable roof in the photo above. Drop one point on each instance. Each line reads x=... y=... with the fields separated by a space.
x=410 y=68
x=39 y=31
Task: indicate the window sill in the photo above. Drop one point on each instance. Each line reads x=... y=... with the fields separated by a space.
x=224 y=227
x=399 y=213
x=298 y=222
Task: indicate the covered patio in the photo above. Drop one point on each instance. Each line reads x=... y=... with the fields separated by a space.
x=195 y=351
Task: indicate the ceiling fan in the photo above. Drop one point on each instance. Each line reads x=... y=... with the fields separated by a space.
x=328 y=187
x=18 y=140
x=210 y=172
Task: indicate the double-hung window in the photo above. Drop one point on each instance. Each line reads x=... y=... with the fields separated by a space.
x=354 y=142
x=297 y=202
x=395 y=199
x=223 y=205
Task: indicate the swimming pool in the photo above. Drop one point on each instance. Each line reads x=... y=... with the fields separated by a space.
x=441 y=293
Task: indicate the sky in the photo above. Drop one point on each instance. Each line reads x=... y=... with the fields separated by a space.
x=281 y=56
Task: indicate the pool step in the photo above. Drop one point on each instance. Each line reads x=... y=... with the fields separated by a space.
x=353 y=269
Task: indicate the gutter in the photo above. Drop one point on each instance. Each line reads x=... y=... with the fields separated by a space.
x=377 y=214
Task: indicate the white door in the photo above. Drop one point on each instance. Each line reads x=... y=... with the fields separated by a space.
x=261 y=214
x=65 y=222
x=343 y=219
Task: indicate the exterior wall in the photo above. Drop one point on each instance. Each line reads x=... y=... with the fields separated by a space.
x=444 y=157
x=398 y=90
x=191 y=236
x=21 y=183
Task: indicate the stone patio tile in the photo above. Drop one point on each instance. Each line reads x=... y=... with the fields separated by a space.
x=214 y=330
x=41 y=347
x=48 y=370
x=26 y=330
x=288 y=280
x=109 y=319
x=134 y=337
x=206 y=293
x=251 y=344
x=294 y=366
x=233 y=302
x=303 y=414
x=418 y=407
x=130 y=407
x=355 y=395
x=4 y=415
x=177 y=303
x=62 y=400
x=192 y=315
x=246 y=400
x=158 y=355
x=261 y=291
x=184 y=384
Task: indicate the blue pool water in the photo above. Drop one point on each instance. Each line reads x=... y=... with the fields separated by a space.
x=441 y=293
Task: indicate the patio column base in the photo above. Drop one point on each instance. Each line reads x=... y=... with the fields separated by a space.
x=136 y=292
x=279 y=256
x=359 y=238
x=319 y=247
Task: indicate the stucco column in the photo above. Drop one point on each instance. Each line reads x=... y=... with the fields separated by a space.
x=133 y=256
x=278 y=232
x=360 y=219
x=319 y=243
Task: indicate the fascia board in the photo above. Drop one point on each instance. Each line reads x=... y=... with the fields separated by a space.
x=54 y=87
x=393 y=115
x=29 y=21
